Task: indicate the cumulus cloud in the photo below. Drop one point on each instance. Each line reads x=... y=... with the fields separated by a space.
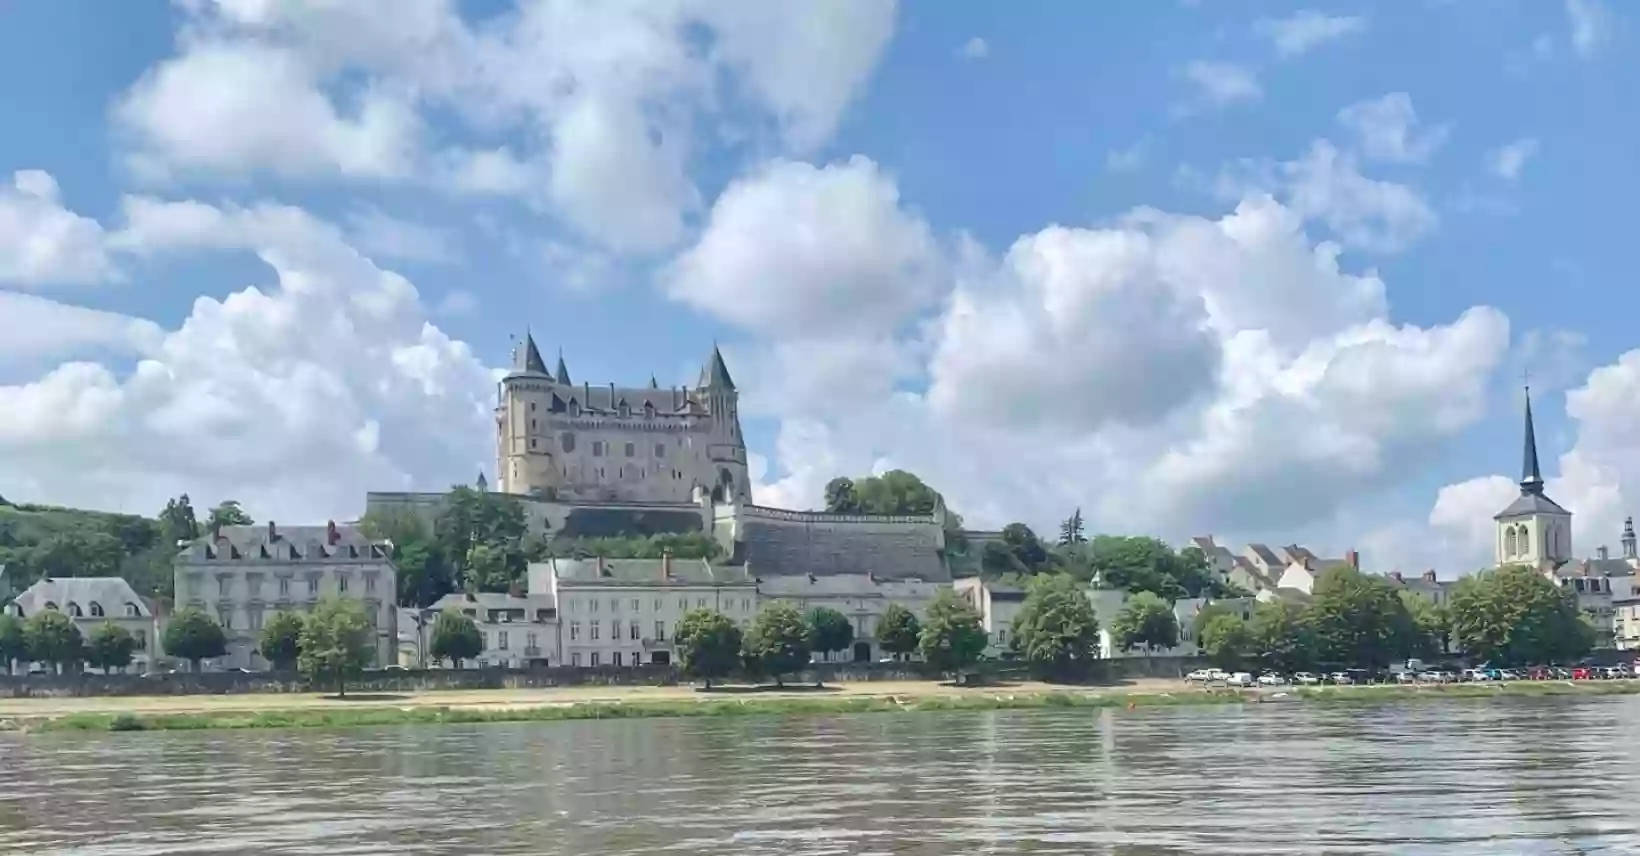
x=41 y=242
x=612 y=97
x=1506 y=162
x=1306 y=30
x=294 y=395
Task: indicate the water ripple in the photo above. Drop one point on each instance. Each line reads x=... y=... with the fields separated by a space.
x=1530 y=776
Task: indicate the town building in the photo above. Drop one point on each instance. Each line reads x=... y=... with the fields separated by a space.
x=626 y=612
x=998 y=604
x=519 y=630
x=558 y=440
x=242 y=575
x=91 y=601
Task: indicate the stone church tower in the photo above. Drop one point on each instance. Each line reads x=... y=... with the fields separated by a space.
x=556 y=439
x=1534 y=530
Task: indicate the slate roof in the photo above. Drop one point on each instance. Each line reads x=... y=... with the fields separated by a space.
x=824 y=548
x=289 y=544
x=1266 y=555
x=112 y=593
x=645 y=572
x=1529 y=503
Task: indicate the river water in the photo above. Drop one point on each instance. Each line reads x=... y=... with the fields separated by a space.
x=1456 y=777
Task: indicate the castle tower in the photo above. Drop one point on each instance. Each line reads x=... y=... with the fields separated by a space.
x=525 y=462
x=1533 y=530
x=729 y=479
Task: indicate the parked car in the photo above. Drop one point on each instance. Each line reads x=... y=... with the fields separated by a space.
x=1241 y=679
x=1271 y=679
x=1432 y=676
x=1208 y=676
x=394 y=667
x=1340 y=678
x=1308 y=679
x=1477 y=674
x=1405 y=677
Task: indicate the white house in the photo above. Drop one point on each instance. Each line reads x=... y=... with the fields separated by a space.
x=519 y=630
x=997 y=605
x=90 y=601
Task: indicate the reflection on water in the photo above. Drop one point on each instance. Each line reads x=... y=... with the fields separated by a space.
x=1508 y=776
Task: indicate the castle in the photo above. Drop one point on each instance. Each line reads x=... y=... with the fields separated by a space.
x=559 y=441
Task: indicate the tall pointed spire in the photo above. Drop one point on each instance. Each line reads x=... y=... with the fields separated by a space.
x=532 y=356
x=1531 y=477
x=563 y=371
x=716 y=373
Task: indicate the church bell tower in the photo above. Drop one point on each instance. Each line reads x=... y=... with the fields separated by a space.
x=1534 y=530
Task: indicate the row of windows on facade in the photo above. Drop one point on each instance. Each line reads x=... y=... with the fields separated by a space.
x=635 y=604
x=600 y=448
x=633 y=630
x=622 y=409
x=224 y=584
x=96 y=609
x=255 y=616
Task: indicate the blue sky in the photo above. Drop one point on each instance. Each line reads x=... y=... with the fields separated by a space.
x=894 y=154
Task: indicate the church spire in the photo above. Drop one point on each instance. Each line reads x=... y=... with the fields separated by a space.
x=563 y=370
x=1531 y=477
x=532 y=356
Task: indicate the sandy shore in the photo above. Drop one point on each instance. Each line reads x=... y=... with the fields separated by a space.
x=514 y=699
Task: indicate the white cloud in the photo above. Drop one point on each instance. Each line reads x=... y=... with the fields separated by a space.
x=388 y=237
x=804 y=250
x=33 y=328
x=294 y=396
x=1506 y=162
x=43 y=243
x=1306 y=30
x=611 y=97
x=1327 y=185
x=1221 y=84
x=1590 y=23
x=1387 y=129
x=1226 y=373
x=976 y=48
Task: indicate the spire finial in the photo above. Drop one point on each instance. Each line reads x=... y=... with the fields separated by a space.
x=562 y=375
x=1531 y=476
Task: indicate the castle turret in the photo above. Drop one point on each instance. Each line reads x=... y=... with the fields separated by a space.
x=727 y=450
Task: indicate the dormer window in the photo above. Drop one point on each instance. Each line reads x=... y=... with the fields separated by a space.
x=574 y=407
x=74 y=610
x=648 y=410
x=96 y=610
x=132 y=611
x=623 y=409
x=51 y=605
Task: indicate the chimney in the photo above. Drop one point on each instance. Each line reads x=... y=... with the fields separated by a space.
x=273 y=532
x=1603 y=553
x=331 y=535
x=666 y=564
x=1429 y=575
x=1353 y=559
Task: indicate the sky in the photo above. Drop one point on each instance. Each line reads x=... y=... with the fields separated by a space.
x=1267 y=271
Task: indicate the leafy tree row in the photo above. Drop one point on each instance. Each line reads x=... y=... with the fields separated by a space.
x=781 y=640
x=1511 y=616
x=52 y=638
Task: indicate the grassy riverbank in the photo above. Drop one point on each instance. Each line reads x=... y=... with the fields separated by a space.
x=341 y=714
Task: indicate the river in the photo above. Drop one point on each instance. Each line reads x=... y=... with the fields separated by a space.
x=1519 y=775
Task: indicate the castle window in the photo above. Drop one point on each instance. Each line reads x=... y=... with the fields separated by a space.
x=567 y=441
x=631 y=450
x=624 y=409
x=660 y=450
x=532 y=424
x=532 y=442
x=597 y=448
x=532 y=406
x=648 y=410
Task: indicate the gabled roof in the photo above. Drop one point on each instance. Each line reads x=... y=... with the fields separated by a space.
x=112 y=593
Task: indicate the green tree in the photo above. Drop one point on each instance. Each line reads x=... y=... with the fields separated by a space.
x=1226 y=641
x=1056 y=630
x=709 y=645
x=194 y=636
x=1280 y=637
x=777 y=642
x=896 y=492
x=282 y=640
x=997 y=559
x=53 y=638
x=177 y=522
x=1135 y=564
x=336 y=642
x=13 y=642
x=1513 y=615
x=110 y=647
x=1357 y=620
x=841 y=496
x=455 y=638
x=1072 y=531
x=1145 y=620
x=829 y=630
x=482 y=535
x=1430 y=625
x=952 y=636
x=897 y=630
x=425 y=573
x=1026 y=547
x=228 y=513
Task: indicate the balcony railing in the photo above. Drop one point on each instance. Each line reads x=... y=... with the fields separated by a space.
x=657 y=644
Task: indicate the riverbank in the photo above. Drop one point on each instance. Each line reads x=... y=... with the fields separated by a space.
x=165 y=714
